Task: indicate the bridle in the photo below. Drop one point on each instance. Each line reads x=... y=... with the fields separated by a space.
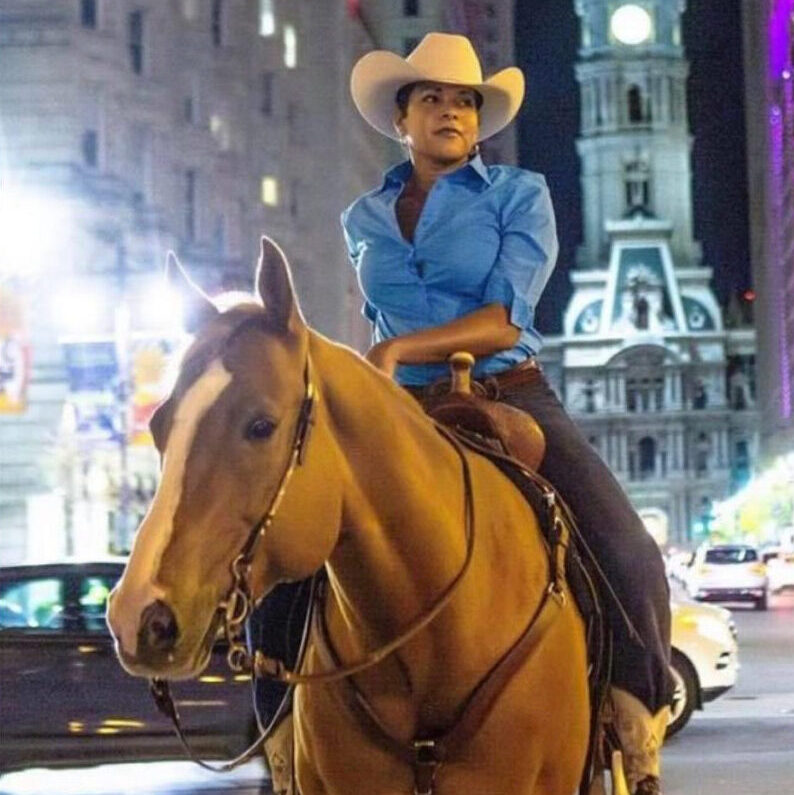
x=239 y=603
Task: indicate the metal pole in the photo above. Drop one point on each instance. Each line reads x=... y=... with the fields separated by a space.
x=122 y=339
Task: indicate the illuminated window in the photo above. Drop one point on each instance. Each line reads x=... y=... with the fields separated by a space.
x=267 y=18
x=270 y=191
x=221 y=131
x=290 y=47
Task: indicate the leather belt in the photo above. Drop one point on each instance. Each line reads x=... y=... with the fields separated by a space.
x=490 y=385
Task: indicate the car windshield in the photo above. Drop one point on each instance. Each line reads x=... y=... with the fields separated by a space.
x=731 y=555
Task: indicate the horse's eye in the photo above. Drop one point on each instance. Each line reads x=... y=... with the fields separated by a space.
x=260 y=428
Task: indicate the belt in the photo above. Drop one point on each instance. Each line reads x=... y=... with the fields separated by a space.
x=490 y=385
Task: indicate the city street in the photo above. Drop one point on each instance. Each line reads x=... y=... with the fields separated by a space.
x=742 y=744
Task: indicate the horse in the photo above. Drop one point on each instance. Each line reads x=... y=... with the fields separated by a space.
x=376 y=495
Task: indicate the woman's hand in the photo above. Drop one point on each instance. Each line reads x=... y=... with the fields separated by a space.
x=384 y=356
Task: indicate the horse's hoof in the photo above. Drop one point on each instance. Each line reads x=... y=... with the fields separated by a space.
x=650 y=785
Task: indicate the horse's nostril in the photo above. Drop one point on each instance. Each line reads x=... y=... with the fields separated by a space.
x=159 y=629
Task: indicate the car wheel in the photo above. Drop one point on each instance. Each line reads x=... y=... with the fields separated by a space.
x=763 y=602
x=685 y=692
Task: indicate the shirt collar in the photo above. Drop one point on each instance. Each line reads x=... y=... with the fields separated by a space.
x=399 y=174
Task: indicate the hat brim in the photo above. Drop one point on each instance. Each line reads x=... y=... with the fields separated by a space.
x=379 y=75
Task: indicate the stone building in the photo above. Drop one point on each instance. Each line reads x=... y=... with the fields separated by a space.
x=130 y=127
x=645 y=364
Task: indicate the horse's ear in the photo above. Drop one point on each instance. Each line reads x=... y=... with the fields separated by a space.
x=274 y=285
x=197 y=308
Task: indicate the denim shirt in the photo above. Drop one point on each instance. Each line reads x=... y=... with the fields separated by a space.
x=486 y=235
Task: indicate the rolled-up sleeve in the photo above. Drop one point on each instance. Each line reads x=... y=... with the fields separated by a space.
x=354 y=253
x=527 y=254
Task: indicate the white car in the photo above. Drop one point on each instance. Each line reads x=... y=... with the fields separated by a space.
x=729 y=573
x=705 y=658
x=779 y=569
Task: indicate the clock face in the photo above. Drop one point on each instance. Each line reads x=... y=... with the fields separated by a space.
x=631 y=24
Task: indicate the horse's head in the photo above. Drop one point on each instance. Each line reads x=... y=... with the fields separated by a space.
x=226 y=436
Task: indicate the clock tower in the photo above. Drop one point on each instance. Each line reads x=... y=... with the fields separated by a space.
x=646 y=366
x=634 y=144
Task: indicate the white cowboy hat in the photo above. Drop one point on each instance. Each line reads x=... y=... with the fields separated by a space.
x=438 y=58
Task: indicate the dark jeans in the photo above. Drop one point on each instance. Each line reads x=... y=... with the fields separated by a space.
x=626 y=552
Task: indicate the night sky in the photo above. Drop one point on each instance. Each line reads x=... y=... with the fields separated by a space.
x=547 y=38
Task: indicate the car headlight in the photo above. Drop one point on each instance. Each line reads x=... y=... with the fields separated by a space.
x=710 y=627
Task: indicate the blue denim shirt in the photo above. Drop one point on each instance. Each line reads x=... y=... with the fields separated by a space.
x=486 y=235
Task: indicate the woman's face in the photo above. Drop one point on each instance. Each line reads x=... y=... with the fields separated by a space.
x=441 y=122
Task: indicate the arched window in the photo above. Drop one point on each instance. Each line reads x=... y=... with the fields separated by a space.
x=647 y=451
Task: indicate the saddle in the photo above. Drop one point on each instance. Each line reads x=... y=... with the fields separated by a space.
x=500 y=426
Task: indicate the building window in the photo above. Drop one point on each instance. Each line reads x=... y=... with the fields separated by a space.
x=88 y=15
x=135 y=37
x=293 y=199
x=411 y=8
x=410 y=44
x=219 y=234
x=189 y=110
x=270 y=191
x=221 y=132
x=700 y=396
x=190 y=204
x=90 y=147
x=267 y=18
x=647 y=454
x=702 y=450
x=634 y=99
x=290 y=47
x=266 y=95
x=216 y=23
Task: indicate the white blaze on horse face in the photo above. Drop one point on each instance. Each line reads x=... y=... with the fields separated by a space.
x=138 y=588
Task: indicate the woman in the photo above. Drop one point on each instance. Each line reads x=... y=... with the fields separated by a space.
x=453 y=255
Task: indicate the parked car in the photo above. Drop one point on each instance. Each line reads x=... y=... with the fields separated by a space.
x=705 y=658
x=64 y=698
x=779 y=568
x=729 y=573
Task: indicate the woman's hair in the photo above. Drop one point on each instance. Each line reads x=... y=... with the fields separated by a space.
x=403 y=96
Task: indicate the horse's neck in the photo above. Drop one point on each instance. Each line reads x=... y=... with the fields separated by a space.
x=402 y=543
x=402 y=535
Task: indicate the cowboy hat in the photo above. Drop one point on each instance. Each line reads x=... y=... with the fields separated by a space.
x=438 y=58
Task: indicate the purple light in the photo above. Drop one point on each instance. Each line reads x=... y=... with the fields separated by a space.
x=781 y=133
x=779 y=43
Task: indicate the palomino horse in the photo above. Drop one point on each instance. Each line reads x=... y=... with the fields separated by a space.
x=380 y=498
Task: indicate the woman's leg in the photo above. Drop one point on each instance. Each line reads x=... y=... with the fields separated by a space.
x=625 y=551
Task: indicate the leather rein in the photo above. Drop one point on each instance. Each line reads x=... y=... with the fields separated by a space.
x=425 y=754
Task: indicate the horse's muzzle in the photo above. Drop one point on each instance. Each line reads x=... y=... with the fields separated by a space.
x=158 y=631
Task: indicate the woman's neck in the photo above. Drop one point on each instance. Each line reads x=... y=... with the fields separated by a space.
x=427 y=170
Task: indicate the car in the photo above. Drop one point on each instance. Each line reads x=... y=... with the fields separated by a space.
x=779 y=568
x=705 y=658
x=729 y=573
x=65 y=699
